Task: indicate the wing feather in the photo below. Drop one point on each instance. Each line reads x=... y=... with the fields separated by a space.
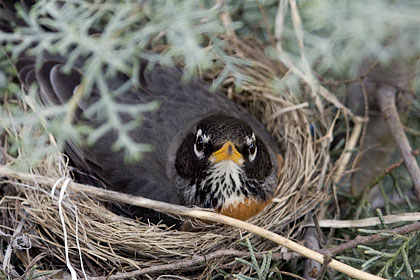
x=64 y=84
x=47 y=93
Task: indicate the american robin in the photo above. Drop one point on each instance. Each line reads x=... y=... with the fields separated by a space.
x=207 y=151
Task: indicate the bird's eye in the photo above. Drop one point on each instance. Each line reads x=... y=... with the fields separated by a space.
x=199 y=144
x=252 y=149
x=199 y=147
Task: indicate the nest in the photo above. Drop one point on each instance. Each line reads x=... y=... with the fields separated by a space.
x=100 y=242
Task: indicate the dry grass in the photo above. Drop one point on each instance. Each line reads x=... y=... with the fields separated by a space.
x=110 y=243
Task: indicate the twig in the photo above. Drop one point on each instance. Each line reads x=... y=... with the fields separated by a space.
x=332 y=98
x=319 y=232
x=292 y=275
x=5 y=156
x=339 y=83
x=330 y=132
x=279 y=23
x=32 y=264
x=361 y=152
x=361 y=240
x=368 y=222
x=390 y=168
x=288 y=109
x=386 y=99
x=193 y=213
x=359 y=78
x=186 y=264
x=5 y=235
x=7 y=268
x=289 y=274
x=387 y=171
x=311 y=268
x=324 y=268
x=343 y=162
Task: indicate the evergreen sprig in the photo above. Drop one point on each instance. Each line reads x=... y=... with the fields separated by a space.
x=128 y=31
x=262 y=270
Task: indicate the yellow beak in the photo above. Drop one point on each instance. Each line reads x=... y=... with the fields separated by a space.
x=228 y=152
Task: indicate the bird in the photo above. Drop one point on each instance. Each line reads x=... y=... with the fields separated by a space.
x=207 y=150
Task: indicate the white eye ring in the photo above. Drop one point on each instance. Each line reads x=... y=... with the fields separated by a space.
x=199 y=154
x=202 y=139
x=252 y=141
x=252 y=156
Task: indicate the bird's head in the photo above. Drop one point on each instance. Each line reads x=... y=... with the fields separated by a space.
x=222 y=164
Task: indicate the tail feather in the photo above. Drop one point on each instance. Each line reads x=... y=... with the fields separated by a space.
x=30 y=77
x=22 y=72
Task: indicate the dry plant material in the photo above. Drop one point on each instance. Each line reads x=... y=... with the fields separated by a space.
x=369 y=222
x=187 y=263
x=197 y=214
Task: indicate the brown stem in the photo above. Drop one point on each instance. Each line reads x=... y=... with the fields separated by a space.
x=311 y=267
x=186 y=264
x=361 y=240
x=390 y=168
x=331 y=83
x=386 y=99
x=324 y=268
x=387 y=171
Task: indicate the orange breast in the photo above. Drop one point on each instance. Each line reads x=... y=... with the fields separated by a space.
x=246 y=209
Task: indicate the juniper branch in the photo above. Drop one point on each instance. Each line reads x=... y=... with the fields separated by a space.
x=361 y=240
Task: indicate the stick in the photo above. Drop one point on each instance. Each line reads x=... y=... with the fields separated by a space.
x=368 y=222
x=193 y=213
x=185 y=264
x=324 y=267
x=386 y=172
x=357 y=129
x=311 y=268
x=386 y=99
x=279 y=23
x=390 y=168
x=7 y=267
x=361 y=240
